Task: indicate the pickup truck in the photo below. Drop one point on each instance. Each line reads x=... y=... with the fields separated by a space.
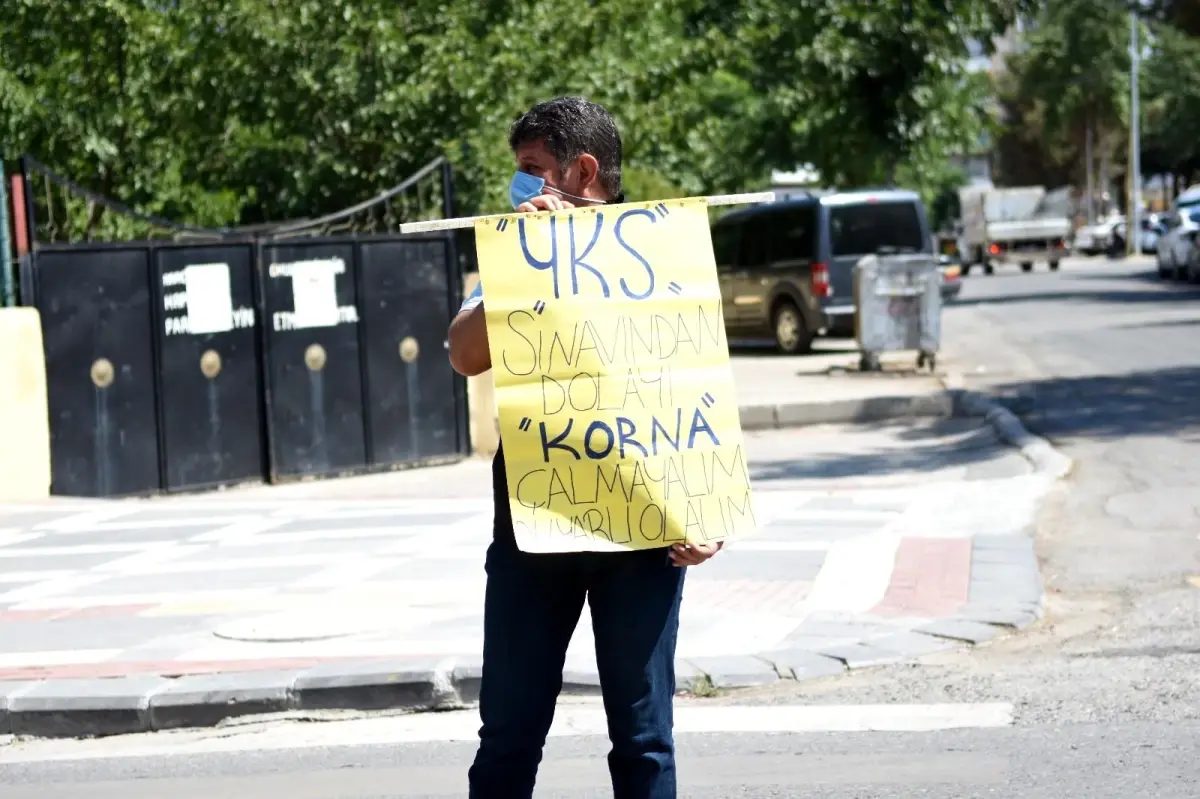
x=1011 y=225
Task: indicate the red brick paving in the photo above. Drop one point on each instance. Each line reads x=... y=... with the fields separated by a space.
x=932 y=577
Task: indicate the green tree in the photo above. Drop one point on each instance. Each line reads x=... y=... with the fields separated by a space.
x=858 y=89
x=80 y=86
x=1172 y=105
x=1181 y=15
x=1073 y=77
x=243 y=111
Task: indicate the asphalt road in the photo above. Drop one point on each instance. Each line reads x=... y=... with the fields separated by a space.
x=1105 y=693
x=1026 y=762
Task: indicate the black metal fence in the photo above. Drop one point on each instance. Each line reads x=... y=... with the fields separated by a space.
x=176 y=365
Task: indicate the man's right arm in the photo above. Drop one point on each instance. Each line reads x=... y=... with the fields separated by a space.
x=469 y=354
x=468 y=338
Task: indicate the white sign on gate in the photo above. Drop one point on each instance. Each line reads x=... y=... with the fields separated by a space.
x=209 y=300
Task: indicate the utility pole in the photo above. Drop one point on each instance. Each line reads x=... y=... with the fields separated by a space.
x=1133 y=228
x=1091 y=188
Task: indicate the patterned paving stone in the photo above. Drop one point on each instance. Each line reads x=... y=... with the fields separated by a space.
x=746 y=617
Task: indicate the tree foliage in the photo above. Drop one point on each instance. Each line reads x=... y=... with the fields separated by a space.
x=1172 y=104
x=243 y=111
x=1072 y=78
x=1181 y=15
x=1076 y=70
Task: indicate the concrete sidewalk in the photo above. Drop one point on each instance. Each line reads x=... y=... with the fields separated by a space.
x=877 y=544
x=827 y=387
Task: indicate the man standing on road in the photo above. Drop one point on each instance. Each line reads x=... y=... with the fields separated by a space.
x=568 y=154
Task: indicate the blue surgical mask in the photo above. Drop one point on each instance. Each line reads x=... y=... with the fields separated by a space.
x=524 y=187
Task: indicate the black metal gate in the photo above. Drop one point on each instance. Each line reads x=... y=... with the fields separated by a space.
x=414 y=400
x=357 y=373
x=97 y=330
x=314 y=375
x=174 y=366
x=208 y=365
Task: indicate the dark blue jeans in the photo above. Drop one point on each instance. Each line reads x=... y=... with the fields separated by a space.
x=532 y=606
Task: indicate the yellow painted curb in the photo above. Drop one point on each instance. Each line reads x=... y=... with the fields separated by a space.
x=481 y=399
x=24 y=415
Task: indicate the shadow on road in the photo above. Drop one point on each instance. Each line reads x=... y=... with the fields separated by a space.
x=1153 y=403
x=823 y=346
x=972 y=443
x=1147 y=276
x=1163 y=323
x=1106 y=408
x=1083 y=295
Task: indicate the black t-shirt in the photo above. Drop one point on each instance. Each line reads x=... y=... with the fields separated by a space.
x=502 y=525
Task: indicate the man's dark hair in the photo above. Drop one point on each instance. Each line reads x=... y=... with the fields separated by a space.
x=570 y=127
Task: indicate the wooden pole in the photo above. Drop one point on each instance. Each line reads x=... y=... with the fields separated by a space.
x=436 y=225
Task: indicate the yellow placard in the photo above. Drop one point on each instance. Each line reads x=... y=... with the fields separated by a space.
x=618 y=415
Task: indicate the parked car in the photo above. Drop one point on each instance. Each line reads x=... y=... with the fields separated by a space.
x=1190 y=271
x=1175 y=244
x=786 y=269
x=1098 y=238
x=1147 y=242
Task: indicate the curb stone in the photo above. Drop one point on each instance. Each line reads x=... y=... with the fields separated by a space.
x=968 y=632
x=803 y=664
x=84 y=708
x=1046 y=460
x=688 y=677
x=372 y=685
x=1008 y=596
x=205 y=700
x=8 y=690
x=870 y=409
x=735 y=671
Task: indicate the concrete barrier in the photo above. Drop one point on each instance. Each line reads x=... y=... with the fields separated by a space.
x=24 y=418
x=481 y=399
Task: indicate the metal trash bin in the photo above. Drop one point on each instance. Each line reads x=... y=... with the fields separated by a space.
x=899 y=302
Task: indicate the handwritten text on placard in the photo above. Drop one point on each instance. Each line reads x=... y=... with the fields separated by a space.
x=618 y=415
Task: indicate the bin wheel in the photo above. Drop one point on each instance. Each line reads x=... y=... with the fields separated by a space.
x=1054 y=266
x=1027 y=267
x=988 y=269
x=927 y=359
x=966 y=269
x=792 y=336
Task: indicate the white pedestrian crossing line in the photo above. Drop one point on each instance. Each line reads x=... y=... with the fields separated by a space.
x=14 y=536
x=572 y=719
x=86 y=518
x=71 y=601
x=855 y=575
x=239 y=531
x=78 y=549
x=193 y=537
x=159 y=560
x=36 y=576
x=752 y=545
x=47 y=658
x=64 y=586
x=70 y=527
